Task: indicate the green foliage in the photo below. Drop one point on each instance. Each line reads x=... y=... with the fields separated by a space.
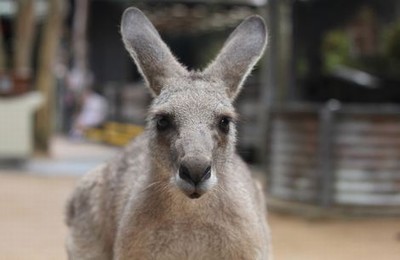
x=335 y=50
x=392 y=42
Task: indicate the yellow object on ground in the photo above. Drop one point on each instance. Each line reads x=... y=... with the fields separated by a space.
x=114 y=133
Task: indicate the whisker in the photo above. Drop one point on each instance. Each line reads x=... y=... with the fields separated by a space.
x=151 y=185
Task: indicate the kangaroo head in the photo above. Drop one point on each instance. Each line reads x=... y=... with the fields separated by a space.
x=191 y=124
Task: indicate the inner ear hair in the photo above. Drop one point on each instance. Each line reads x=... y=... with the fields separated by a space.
x=151 y=55
x=239 y=54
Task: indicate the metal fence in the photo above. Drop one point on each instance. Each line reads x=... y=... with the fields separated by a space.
x=335 y=155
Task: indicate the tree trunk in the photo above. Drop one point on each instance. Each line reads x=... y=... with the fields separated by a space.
x=45 y=81
x=23 y=43
x=79 y=74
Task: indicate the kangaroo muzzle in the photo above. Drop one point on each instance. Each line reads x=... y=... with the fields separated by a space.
x=195 y=170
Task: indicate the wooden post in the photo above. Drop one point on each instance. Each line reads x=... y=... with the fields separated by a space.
x=23 y=43
x=268 y=84
x=3 y=55
x=45 y=77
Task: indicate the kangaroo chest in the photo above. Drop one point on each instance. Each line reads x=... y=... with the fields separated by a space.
x=188 y=237
x=191 y=240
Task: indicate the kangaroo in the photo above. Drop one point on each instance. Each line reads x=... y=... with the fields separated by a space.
x=178 y=191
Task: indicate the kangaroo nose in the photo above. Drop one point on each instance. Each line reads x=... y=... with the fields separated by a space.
x=194 y=173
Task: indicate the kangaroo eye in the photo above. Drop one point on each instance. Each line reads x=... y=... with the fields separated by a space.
x=163 y=123
x=224 y=124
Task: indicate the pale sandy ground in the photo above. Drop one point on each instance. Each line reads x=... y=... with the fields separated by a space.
x=31 y=227
x=32 y=223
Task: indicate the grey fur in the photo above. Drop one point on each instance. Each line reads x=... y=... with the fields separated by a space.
x=136 y=206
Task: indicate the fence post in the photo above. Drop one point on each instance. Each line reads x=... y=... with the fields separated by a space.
x=325 y=173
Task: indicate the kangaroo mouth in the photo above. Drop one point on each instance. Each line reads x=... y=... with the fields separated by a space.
x=195 y=195
x=193 y=191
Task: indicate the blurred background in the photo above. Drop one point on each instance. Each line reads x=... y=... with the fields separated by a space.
x=320 y=114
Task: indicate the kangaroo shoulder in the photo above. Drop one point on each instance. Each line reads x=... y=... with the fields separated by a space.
x=85 y=195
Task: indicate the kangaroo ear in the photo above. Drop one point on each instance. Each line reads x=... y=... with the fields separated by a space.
x=152 y=56
x=239 y=54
